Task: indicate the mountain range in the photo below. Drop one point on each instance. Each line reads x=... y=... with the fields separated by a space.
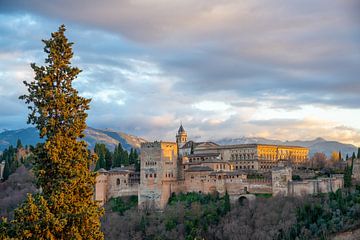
x=111 y=138
x=316 y=145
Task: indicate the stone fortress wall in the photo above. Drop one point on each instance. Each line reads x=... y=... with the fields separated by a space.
x=186 y=166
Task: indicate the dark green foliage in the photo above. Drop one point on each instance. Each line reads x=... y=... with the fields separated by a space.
x=18 y=144
x=326 y=214
x=122 y=204
x=353 y=156
x=263 y=195
x=133 y=156
x=296 y=178
x=358 y=153
x=11 y=162
x=104 y=156
x=227 y=205
x=348 y=176
x=121 y=157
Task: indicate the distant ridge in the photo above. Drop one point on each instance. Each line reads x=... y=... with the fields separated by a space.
x=111 y=138
x=316 y=145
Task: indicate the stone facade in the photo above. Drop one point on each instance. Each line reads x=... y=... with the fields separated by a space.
x=116 y=182
x=206 y=167
x=159 y=173
x=356 y=170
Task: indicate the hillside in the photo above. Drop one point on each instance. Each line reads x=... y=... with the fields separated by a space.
x=30 y=136
x=316 y=145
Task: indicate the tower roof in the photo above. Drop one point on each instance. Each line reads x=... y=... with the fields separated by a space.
x=181 y=129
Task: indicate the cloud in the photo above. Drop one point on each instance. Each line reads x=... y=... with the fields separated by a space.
x=224 y=68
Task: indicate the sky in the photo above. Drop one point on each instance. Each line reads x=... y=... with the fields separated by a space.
x=284 y=70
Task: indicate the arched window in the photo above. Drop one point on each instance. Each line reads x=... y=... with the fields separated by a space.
x=117 y=181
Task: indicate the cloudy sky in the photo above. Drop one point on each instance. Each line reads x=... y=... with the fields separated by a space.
x=274 y=69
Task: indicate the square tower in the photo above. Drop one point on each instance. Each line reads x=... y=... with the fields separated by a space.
x=159 y=166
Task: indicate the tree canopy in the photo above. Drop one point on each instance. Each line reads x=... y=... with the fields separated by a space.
x=65 y=208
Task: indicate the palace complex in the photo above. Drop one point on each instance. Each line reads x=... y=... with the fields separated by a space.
x=206 y=167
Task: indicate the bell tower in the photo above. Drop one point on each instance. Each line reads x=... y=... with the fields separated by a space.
x=181 y=137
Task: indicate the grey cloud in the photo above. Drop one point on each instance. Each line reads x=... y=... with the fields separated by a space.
x=244 y=53
x=248 y=47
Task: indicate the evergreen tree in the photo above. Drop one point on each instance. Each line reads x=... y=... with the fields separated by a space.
x=347 y=156
x=131 y=157
x=100 y=162
x=125 y=158
x=7 y=170
x=353 y=156
x=11 y=163
x=136 y=160
x=358 y=154
x=347 y=177
x=65 y=208
x=108 y=159
x=192 y=148
x=227 y=205
x=117 y=156
x=18 y=144
x=340 y=157
x=104 y=156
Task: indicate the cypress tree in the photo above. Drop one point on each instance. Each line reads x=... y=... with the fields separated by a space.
x=125 y=158
x=358 y=154
x=65 y=208
x=7 y=171
x=18 y=144
x=227 y=205
x=117 y=156
x=353 y=156
x=131 y=156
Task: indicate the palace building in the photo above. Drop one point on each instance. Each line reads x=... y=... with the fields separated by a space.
x=206 y=167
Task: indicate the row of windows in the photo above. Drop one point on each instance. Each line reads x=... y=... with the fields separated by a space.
x=244 y=167
x=200 y=158
x=220 y=166
x=219 y=177
x=244 y=151
x=150 y=163
x=266 y=167
x=242 y=156
x=169 y=175
x=150 y=175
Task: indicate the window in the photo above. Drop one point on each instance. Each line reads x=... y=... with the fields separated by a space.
x=154 y=175
x=117 y=181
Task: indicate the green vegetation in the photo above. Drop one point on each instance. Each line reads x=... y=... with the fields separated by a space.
x=201 y=211
x=122 y=204
x=13 y=159
x=326 y=214
x=120 y=157
x=263 y=195
x=296 y=178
